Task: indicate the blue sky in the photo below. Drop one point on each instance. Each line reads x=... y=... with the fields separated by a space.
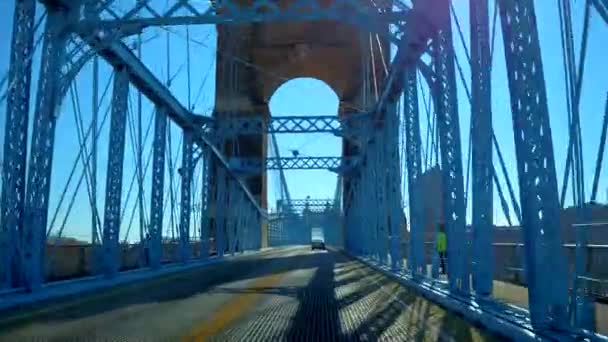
x=312 y=97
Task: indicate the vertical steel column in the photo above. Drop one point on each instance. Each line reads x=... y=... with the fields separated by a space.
x=416 y=262
x=116 y=153
x=546 y=266
x=257 y=221
x=220 y=209
x=231 y=214
x=253 y=231
x=375 y=185
x=377 y=182
x=158 y=188
x=246 y=230
x=366 y=198
x=367 y=214
x=481 y=115
x=15 y=140
x=241 y=222
x=451 y=154
x=393 y=190
x=355 y=213
x=361 y=217
x=95 y=241
x=205 y=193
x=33 y=235
x=186 y=185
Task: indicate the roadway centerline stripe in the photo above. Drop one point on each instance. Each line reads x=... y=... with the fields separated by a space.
x=231 y=310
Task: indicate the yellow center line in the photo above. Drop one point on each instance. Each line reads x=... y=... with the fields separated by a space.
x=231 y=310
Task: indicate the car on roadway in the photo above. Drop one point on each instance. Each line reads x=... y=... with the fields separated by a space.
x=317 y=244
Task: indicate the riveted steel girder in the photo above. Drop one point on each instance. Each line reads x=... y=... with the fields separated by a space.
x=451 y=154
x=355 y=127
x=116 y=154
x=33 y=236
x=413 y=142
x=482 y=259
x=205 y=199
x=187 y=170
x=158 y=188
x=15 y=140
x=337 y=164
x=546 y=266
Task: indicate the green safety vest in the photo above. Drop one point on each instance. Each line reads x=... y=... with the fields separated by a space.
x=441 y=242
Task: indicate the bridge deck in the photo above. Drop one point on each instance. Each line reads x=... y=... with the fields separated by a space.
x=287 y=294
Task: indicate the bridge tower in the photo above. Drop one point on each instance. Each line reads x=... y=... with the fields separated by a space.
x=254 y=60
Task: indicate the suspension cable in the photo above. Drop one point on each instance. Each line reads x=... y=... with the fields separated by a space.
x=371 y=50
x=600 y=154
x=460 y=34
x=133 y=178
x=503 y=201
x=61 y=197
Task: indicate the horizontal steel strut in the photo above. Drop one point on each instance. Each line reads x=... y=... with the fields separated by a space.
x=354 y=126
x=255 y=165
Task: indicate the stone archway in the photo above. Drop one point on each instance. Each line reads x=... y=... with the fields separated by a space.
x=254 y=60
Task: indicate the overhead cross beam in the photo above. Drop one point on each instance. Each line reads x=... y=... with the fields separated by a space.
x=254 y=165
x=351 y=126
x=312 y=204
x=146 y=13
x=310 y=163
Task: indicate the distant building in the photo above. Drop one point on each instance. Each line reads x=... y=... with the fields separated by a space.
x=433 y=209
x=65 y=241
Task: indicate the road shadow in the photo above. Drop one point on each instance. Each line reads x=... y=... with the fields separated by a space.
x=182 y=286
x=344 y=300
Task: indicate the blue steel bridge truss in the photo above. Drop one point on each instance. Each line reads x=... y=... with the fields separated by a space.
x=372 y=216
x=353 y=126
x=255 y=166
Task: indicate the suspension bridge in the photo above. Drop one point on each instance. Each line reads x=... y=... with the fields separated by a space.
x=146 y=193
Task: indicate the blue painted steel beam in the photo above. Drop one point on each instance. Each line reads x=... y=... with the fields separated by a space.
x=230 y=12
x=221 y=206
x=301 y=204
x=254 y=165
x=119 y=55
x=350 y=126
x=116 y=152
x=413 y=143
x=423 y=23
x=546 y=266
x=310 y=163
x=33 y=239
x=205 y=199
x=15 y=139
x=451 y=155
x=158 y=188
x=482 y=260
x=394 y=213
x=187 y=170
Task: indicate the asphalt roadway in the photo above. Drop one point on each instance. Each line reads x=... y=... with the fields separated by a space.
x=290 y=294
